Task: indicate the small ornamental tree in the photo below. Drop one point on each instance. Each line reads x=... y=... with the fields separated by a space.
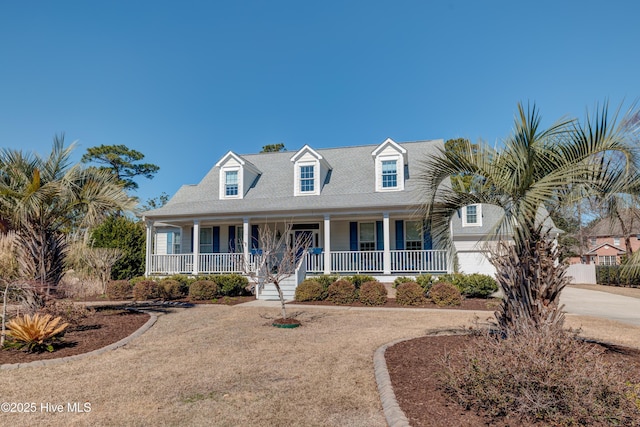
x=278 y=260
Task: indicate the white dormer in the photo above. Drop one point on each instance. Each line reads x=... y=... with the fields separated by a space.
x=390 y=160
x=310 y=172
x=236 y=176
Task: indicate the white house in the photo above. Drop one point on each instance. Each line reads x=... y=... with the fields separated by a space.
x=358 y=204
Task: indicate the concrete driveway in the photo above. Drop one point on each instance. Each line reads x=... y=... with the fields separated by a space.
x=601 y=304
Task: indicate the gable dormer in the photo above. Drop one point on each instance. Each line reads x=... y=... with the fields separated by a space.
x=390 y=160
x=236 y=176
x=310 y=172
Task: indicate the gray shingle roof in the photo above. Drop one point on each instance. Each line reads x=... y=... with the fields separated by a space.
x=351 y=185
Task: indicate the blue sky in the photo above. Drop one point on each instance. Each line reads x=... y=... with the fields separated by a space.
x=185 y=81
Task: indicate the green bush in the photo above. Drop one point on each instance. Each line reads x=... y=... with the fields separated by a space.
x=325 y=280
x=372 y=293
x=310 y=290
x=477 y=285
x=409 y=293
x=145 y=290
x=185 y=279
x=425 y=280
x=342 y=292
x=231 y=285
x=401 y=279
x=445 y=294
x=129 y=236
x=169 y=289
x=203 y=290
x=359 y=279
x=119 y=290
x=611 y=275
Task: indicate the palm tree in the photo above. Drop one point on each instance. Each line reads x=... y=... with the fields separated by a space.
x=535 y=172
x=46 y=199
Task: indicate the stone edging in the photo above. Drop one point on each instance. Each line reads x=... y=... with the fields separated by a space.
x=51 y=362
x=392 y=412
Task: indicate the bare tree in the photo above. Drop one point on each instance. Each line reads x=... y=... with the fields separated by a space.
x=279 y=254
x=95 y=262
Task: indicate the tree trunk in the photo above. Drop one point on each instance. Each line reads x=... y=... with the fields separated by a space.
x=531 y=281
x=281 y=296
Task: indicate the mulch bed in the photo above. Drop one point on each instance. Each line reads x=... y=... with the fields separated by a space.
x=467 y=304
x=414 y=367
x=105 y=327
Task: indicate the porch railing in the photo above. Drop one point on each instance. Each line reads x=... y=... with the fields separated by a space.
x=354 y=262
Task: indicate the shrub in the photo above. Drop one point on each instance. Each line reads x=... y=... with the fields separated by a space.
x=409 y=293
x=203 y=290
x=359 y=279
x=425 y=280
x=119 y=290
x=35 y=334
x=231 y=285
x=372 y=293
x=169 y=289
x=68 y=311
x=400 y=280
x=477 y=285
x=145 y=290
x=325 y=280
x=310 y=290
x=445 y=293
x=545 y=376
x=342 y=292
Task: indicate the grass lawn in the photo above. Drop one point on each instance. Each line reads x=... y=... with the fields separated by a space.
x=226 y=366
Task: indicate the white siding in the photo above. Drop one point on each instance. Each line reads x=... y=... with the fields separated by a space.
x=339 y=236
x=472 y=259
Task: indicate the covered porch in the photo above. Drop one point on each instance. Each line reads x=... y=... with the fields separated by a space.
x=383 y=243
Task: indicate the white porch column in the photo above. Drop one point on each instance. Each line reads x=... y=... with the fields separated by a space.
x=196 y=246
x=148 y=248
x=386 y=256
x=327 y=244
x=246 y=237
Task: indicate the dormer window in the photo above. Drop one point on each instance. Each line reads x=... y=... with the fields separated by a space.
x=231 y=183
x=307 y=179
x=472 y=216
x=389 y=174
x=236 y=176
x=311 y=172
x=390 y=159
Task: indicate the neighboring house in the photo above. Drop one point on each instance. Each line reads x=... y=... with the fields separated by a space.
x=359 y=205
x=606 y=243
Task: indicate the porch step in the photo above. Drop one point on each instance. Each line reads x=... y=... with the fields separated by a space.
x=288 y=287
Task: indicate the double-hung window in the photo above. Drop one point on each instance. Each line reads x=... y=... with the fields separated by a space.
x=413 y=239
x=389 y=174
x=206 y=240
x=471 y=216
x=307 y=179
x=367 y=236
x=231 y=183
x=173 y=242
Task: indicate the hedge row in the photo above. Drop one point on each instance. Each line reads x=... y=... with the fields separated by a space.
x=178 y=287
x=612 y=275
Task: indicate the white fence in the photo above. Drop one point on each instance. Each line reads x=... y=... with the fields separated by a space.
x=582 y=273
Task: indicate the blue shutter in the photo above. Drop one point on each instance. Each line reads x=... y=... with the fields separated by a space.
x=191 y=239
x=427 y=241
x=379 y=236
x=353 y=236
x=400 y=235
x=232 y=238
x=255 y=237
x=216 y=239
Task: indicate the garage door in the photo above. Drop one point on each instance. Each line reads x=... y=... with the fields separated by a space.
x=470 y=262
